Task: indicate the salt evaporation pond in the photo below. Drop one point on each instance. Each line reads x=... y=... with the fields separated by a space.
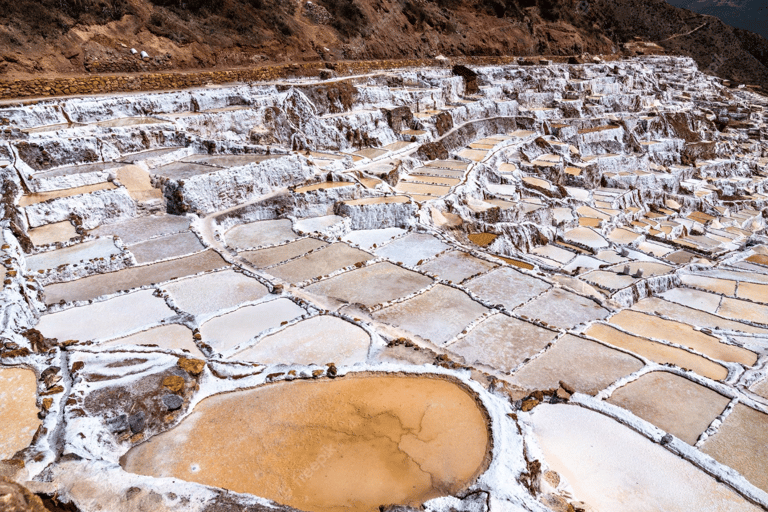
x=349 y=444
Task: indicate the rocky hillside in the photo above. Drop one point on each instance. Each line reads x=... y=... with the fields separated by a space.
x=76 y=36
x=749 y=15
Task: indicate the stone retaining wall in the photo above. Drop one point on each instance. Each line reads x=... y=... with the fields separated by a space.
x=93 y=84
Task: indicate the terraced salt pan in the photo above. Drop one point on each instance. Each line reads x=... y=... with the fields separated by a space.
x=229 y=160
x=231 y=329
x=476 y=155
x=761 y=388
x=657 y=352
x=378 y=200
x=417 y=190
x=163 y=248
x=455 y=266
x=273 y=255
x=586 y=237
x=319 y=263
x=623 y=236
x=317 y=224
x=323 y=185
x=681 y=257
x=754 y=292
x=84 y=252
x=318 y=340
x=681 y=334
x=106 y=320
x=563 y=309
x=692 y=316
x=554 y=253
x=456 y=165
x=721 y=286
x=260 y=233
x=741 y=442
x=132 y=277
x=502 y=342
x=143 y=228
x=672 y=403
x=691 y=298
x=18 y=392
x=209 y=293
x=654 y=249
x=171 y=337
x=611 y=467
x=507 y=286
x=369 y=239
x=608 y=280
x=736 y=309
x=30 y=199
x=586 y=366
x=646 y=268
x=328 y=446
x=52 y=233
x=138 y=183
x=437 y=315
x=183 y=170
x=749 y=277
x=371 y=285
x=77 y=169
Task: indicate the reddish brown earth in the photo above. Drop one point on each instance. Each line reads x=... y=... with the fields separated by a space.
x=54 y=37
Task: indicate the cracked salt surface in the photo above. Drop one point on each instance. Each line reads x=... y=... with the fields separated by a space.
x=254 y=249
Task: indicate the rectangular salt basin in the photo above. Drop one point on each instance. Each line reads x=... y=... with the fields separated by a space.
x=371 y=285
x=163 y=248
x=109 y=319
x=227 y=331
x=693 y=316
x=507 y=286
x=369 y=239
x=422 y=189
x=456 y=266
x=674 y=332
x=435 y=180
x=273 y=255
x=586 y=366
x=657 y=352
x=696 y=299
x=52 y=233
x=183 y=170
x=320 y=263
x=317 y=224
x=30 y=199
x=502 y=342
x=608 y=280
x=318 y=340
x=456 y=165
x=215 y=291
x=437 y=315
x=143 y=228
x=562 y=309
x=132 y=277
x=170 y=337
x=412 y=249
x=686 y=411
x=229 y=160
x=432 y=171
x=87 y=251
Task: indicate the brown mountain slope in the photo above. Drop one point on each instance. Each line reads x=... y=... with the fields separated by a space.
x=75 y=36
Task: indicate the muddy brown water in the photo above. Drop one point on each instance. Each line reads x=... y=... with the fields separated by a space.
x=349 y=444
